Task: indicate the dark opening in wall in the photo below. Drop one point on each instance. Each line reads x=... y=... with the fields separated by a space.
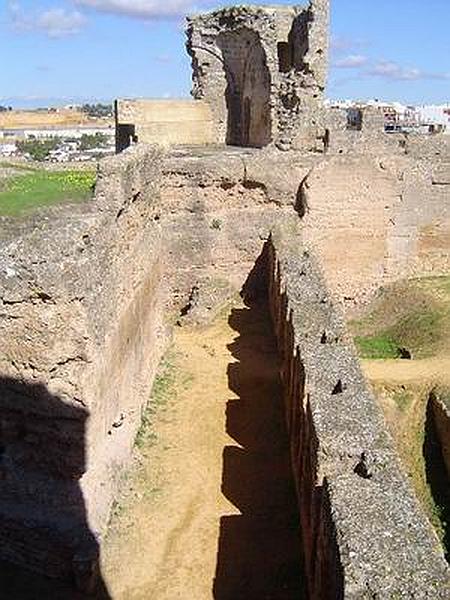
x=436 y=474
x=284 y=57
x=299 y=41
x=125 y=136
x=248 y=89
x=354 y=119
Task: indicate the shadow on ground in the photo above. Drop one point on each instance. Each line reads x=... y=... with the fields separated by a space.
x=259 y=555
x=437 y=477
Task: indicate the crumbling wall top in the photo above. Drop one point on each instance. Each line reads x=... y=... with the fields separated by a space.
x=262 y=69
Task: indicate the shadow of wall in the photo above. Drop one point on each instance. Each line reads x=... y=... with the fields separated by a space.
x=247 y=93
x=259 y=552
x=43 y=522
x=436 y=475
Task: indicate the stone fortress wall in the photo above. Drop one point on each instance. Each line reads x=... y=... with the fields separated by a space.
x=85 y=321
x=262 y=70
x=163 y=122
x=363 y=531
x=88 y=295
x=82 y=334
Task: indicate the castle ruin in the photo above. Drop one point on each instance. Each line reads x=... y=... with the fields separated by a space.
x=313 y=215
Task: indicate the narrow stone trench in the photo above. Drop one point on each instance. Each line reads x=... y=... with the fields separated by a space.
x=209 y=510
x=223 y=522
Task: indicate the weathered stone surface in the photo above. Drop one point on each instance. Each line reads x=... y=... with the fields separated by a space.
x=375 y=219
x=86 y=293
x=364 y=534
x=82 y=330
x=262 y=69
x=164 y=122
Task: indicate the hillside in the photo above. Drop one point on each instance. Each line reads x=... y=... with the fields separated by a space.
x=17 y=119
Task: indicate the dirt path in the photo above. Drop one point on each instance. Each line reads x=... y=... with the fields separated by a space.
x=430 y=370
x=213 y=511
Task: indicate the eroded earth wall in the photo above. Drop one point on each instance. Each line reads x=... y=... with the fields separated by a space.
x=82 y=333
x=218 y=209
x=88 y=293
x=373 y=219
x=364 y=534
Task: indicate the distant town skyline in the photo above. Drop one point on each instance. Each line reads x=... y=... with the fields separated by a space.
x=64 y=51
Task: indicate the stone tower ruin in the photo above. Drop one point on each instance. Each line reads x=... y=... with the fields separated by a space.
x=262 y=70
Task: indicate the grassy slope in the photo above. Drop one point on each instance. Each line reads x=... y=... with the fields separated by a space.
x=36 y=188
x=414 y=315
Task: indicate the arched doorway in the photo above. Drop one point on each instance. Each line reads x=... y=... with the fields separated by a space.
x=248 y=89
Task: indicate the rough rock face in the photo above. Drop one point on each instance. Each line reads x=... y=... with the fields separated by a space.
x=82 y=333
x=375 y=219
x=262 y=70
x=86 y=292
x=219 y=207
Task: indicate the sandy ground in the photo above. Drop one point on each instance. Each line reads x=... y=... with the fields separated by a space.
x=220 y=521
x=430 y=370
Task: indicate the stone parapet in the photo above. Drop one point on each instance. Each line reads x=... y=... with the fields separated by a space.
x=364 y=534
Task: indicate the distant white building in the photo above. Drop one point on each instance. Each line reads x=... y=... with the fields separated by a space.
x=403 y=117
x=40 y=133
x=438 y=114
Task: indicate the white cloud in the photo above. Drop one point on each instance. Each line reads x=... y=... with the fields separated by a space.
x=392 y=70
x=141 y=9
x=54 y=22
x=352 y=61
x=395 y=72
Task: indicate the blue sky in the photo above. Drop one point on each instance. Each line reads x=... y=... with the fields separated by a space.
x=68 y=50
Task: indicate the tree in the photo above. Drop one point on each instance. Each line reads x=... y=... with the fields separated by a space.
x=98 y=110
x=98 y=140
x=38 y=149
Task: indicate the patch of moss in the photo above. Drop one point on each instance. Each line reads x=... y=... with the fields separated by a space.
x=162 y=390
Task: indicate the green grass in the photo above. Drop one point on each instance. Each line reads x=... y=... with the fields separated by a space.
x=414 y=315
x=403 y=399
x=162 y=391
x=39 y=188
x=380 y=346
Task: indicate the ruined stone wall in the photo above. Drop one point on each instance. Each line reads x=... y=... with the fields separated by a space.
x=82 y=333
x=163 y=122
x=218 y=209
x=84 y=290
x=262 y=70
x=375 y=219
x=85 y=294
x=366 y=136
x=364 y=533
